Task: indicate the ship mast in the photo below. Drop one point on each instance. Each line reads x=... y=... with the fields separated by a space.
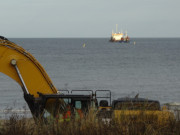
x=112 y=32
x=116 y=28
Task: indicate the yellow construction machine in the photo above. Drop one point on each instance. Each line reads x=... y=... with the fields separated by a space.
x=44 y=99
x=40 y=94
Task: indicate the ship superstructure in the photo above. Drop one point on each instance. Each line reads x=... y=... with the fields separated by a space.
x=119 y=36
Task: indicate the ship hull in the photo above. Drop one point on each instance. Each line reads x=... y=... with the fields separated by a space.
x=122 y=40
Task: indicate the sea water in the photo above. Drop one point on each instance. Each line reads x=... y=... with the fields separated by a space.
x=148 y=66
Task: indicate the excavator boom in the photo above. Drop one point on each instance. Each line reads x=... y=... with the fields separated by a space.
x=22 y=67
x=33 y=74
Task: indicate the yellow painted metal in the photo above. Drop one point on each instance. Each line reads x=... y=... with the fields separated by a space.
x=162 y=116
x=33 y=74
x=105 y=108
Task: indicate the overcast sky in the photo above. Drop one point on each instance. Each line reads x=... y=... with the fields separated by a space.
x=89 y=18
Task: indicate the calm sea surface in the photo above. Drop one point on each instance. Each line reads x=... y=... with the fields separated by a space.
x=151 y=67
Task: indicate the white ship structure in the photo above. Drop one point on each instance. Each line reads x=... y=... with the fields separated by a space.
x=119 y=36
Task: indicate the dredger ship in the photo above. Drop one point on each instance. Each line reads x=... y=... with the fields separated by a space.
x=119 y=36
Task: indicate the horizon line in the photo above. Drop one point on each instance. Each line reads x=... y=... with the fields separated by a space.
x=89 y=37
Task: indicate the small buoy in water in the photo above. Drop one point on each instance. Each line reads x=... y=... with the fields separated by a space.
x=134 y=42
x=84 y=45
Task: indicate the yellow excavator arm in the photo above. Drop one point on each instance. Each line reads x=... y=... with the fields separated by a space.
x=21 y=66
x=14 y=59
